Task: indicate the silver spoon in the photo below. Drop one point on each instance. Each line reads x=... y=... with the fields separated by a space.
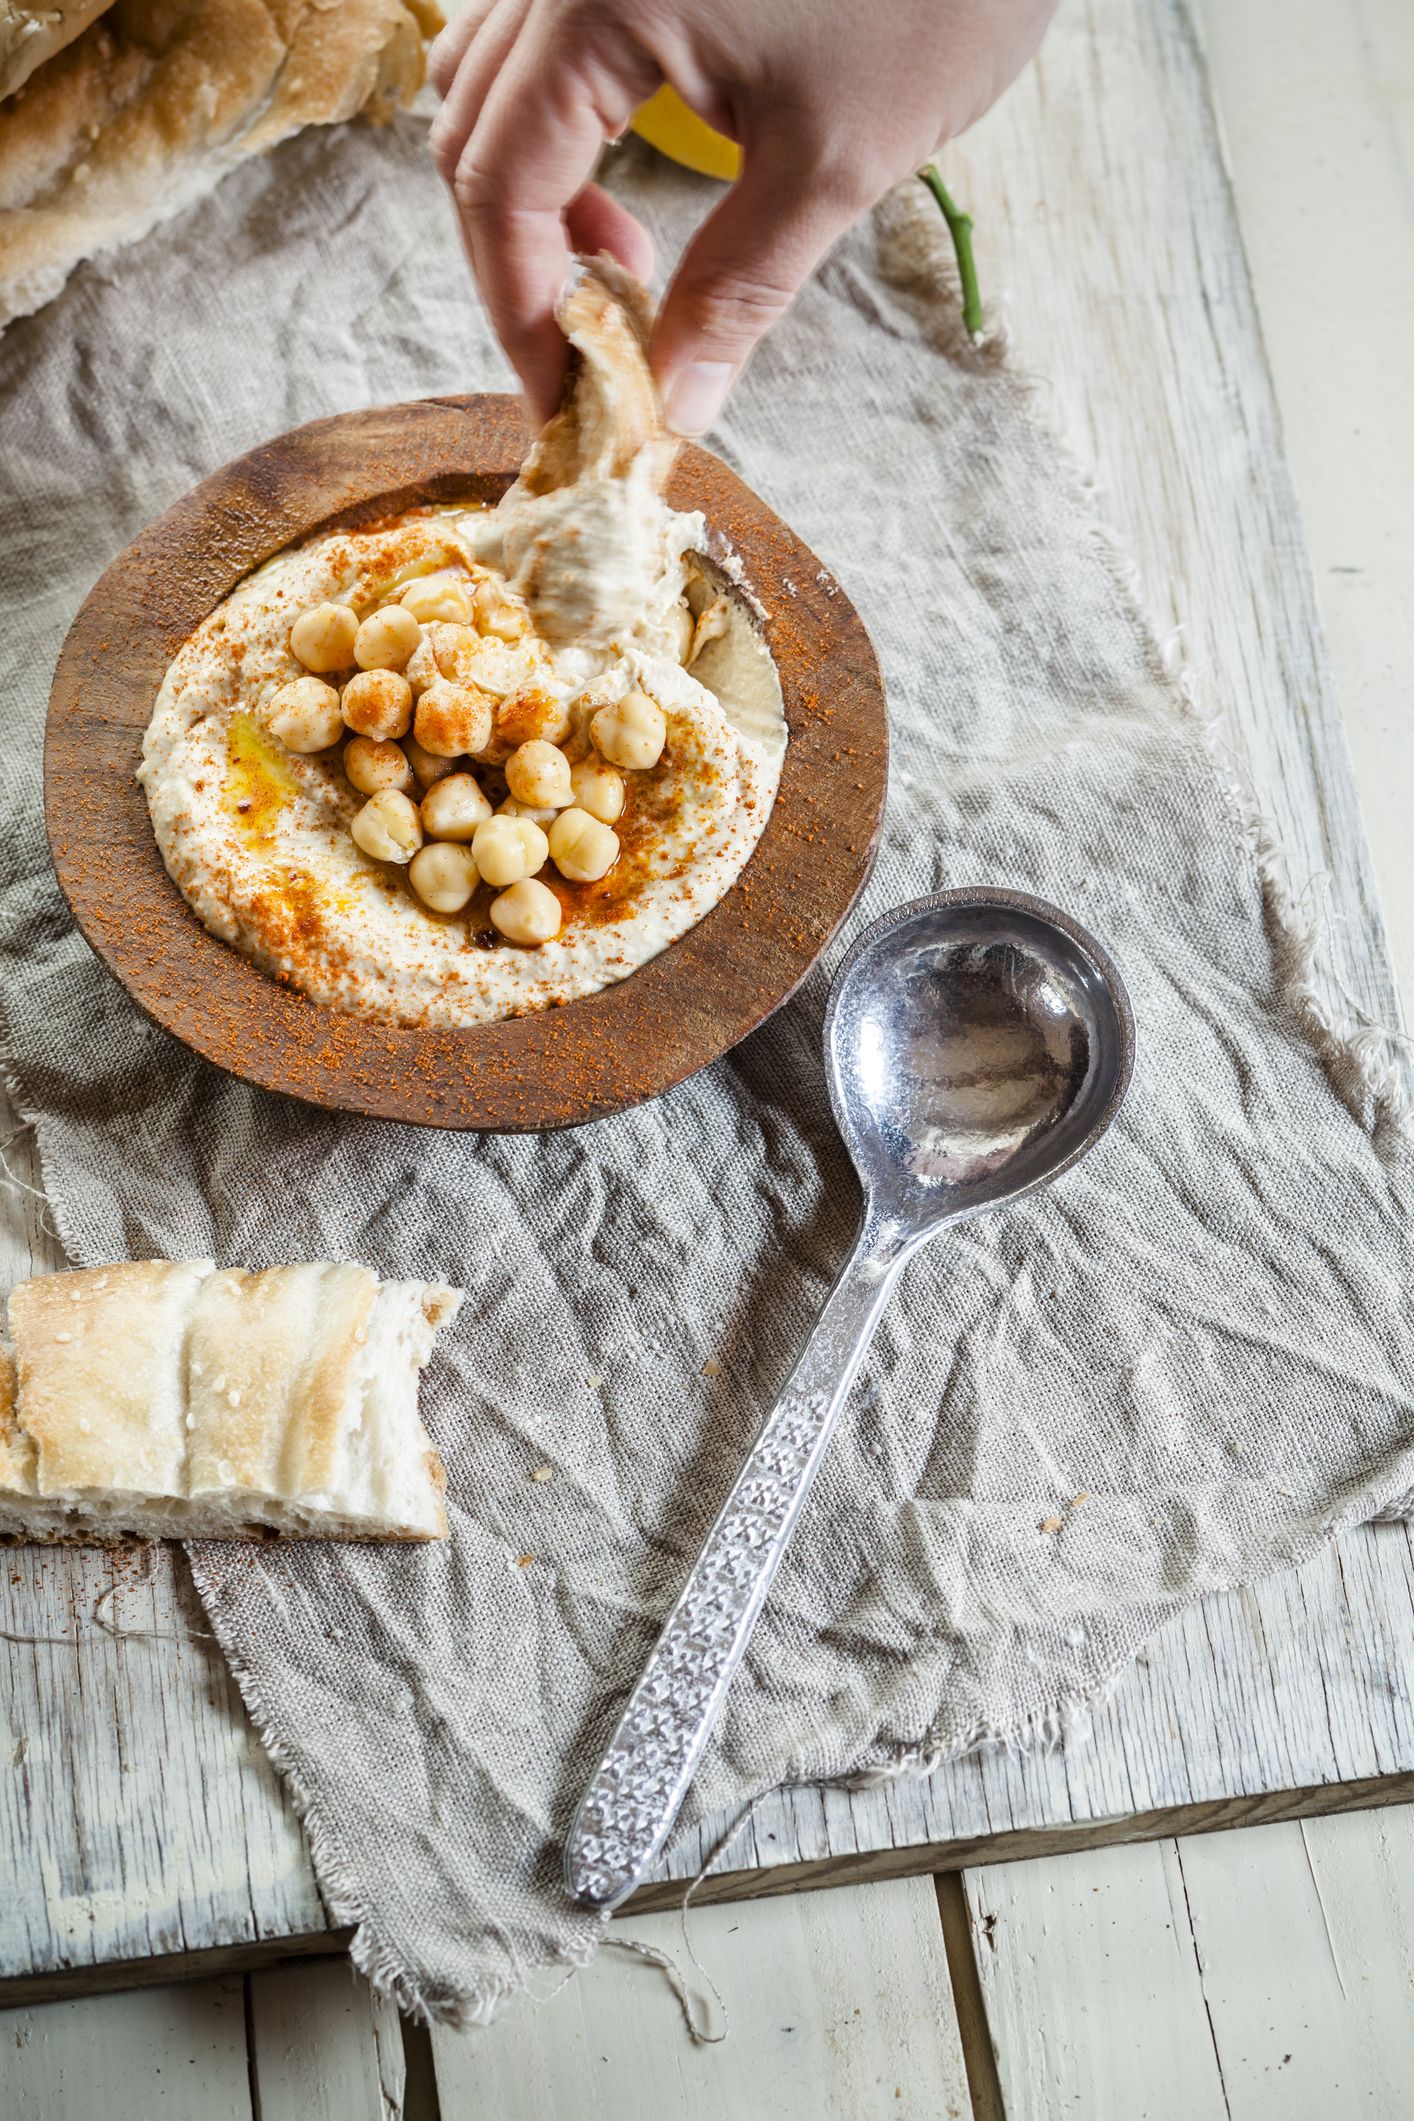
x=977 y=1044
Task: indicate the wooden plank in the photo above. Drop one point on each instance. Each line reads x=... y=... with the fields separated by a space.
x=837 y=2004
x=324 y=2046
x=907 y=1857
x=100 y=1977
x=1319 y=128
x=1304 y=1936
x=1093 y=1990
x=1102 y=209
x=140 y=1813
x=169 y=2051
x=1261 y=1976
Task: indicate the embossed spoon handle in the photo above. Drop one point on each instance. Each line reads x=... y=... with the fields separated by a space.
x=628 y=1809
x=977 y=1044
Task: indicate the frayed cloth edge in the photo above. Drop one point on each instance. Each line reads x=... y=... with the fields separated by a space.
x=370 y=1950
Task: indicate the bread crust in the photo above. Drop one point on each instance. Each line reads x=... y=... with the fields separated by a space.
x=271 y=1363
x=30 y=35
x=98 y=1358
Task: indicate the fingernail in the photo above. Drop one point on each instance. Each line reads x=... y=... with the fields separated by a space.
x=695 y=396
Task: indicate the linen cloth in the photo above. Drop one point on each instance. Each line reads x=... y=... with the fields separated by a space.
x=1202 y=1329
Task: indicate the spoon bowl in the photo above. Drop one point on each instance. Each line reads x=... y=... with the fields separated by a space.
x=976 y=1043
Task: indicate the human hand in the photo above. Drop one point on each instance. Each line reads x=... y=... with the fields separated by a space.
x=831 y=102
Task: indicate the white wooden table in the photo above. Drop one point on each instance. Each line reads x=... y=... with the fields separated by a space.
x=1244 y=1974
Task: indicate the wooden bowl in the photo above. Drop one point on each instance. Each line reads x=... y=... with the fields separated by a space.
x=561 y=1066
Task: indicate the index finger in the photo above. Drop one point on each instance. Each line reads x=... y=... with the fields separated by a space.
x=530 y=153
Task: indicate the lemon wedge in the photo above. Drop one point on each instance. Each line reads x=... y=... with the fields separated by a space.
x=666 y=123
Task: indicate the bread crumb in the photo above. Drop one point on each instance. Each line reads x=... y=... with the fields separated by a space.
x=711 y=1369
x=594 y=1383
x=1083 y=1496
x=543 y=1473
x=523 y=1561
x=1050 y=1524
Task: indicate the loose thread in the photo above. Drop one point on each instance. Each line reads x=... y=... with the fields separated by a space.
x=16 y=1184
x=122 y=1634
x=114 y=1628
x=697 y=2033
x=698 y=2029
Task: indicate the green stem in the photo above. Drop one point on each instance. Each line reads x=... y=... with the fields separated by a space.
x=960 y=229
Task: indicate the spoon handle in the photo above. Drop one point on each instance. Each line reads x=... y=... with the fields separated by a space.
x=628 y=1809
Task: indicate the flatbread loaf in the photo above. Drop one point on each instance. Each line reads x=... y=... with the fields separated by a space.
x=149 y=108
x=167 y=1400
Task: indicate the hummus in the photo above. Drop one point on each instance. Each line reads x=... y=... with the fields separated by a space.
x=257 y=837
x=594 y=614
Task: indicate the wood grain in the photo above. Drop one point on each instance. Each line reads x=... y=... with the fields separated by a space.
x=177 y=2051
x=557 y=1067
x=1318 y=124
x=324 y=2046
x=1262 y=1976
x=1093 y=1989
x=1103 y=210
x=837 y=2005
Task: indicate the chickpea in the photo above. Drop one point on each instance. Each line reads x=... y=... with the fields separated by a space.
x=538 y=774
x=388 y=827
x=437 y=596
x=582 y=848
x=528 y=913
x=323 y=638
x=386 y=639
x=499 y=614
x=422 y=668
x=630 y=733
x=445 y=651
x=452 y=719
x=427 y=769
x=599 y=789
x=443 y=876
x=544 y=816
x=372 y=766
x=378 y=703
x=499 y=668
x=305 y=715
x=453 y=808
x=508 y=849
x=527 y=717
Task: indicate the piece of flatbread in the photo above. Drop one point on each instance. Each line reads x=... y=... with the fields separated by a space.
x=585 y=533
x=167 y=1400
x=149 y=108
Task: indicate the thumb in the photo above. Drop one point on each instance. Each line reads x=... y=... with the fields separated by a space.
x=740 y=274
